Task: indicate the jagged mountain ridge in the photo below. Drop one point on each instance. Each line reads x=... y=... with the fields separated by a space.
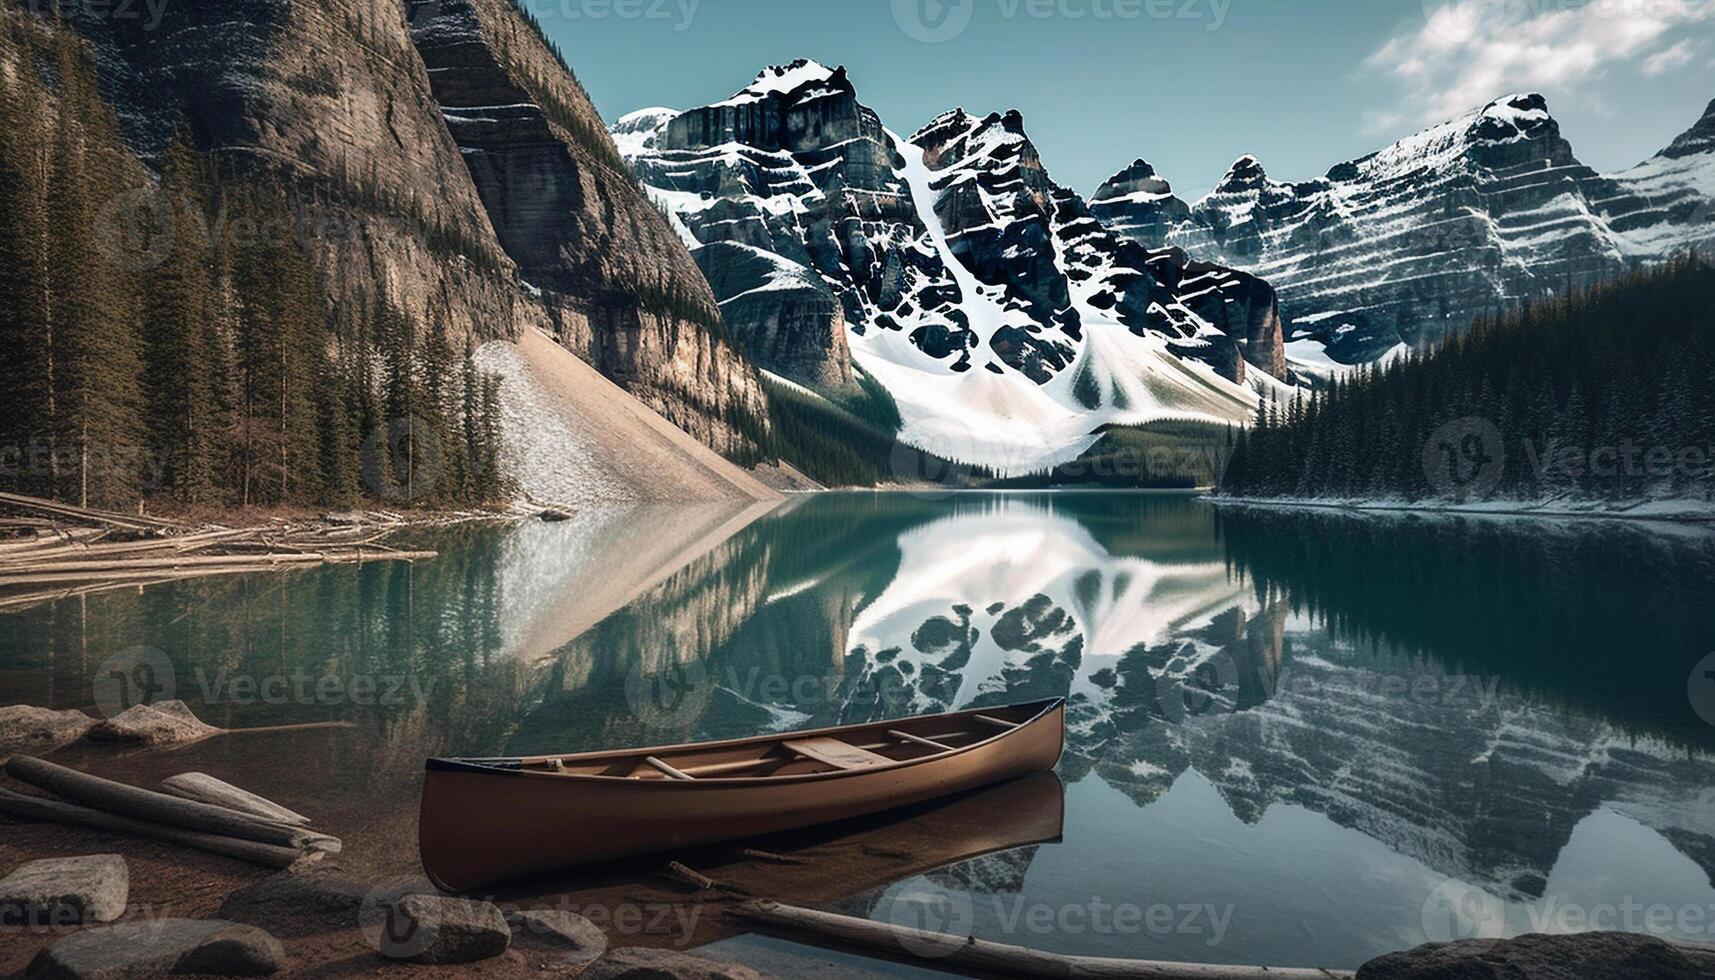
x=1004 y=320
x=1409 y=244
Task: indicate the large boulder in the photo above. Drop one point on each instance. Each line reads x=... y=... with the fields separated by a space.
x=1586 y=956
x=66 y=891
x=131 y=950
x=23 y=727
x=162 y=723
x=640 y=963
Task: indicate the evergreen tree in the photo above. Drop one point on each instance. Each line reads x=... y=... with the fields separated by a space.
x=25 y=307
x=1598 y=393
x=93 y=346
x=179 y=380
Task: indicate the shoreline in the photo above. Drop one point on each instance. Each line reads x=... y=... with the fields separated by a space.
x=1693 y=517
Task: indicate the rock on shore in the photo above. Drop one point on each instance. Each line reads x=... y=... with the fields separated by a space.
x=159 y=947
x=1586 y=956
x=40 y=729
x=639 y=963
x=162 y=723
x=66 y=891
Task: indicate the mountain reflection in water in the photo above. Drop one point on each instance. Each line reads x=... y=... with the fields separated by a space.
x=1314 y=719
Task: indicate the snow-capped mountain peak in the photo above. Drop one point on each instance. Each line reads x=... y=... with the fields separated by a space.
x=636 y=131
x=1246 y=171
x=786 y=79
x=1699 y=139
x=1410 y=243
x=1006 y=322
x=1139 y=179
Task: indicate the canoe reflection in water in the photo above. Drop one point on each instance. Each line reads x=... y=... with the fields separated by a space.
x=483 y=822
x=829 y=865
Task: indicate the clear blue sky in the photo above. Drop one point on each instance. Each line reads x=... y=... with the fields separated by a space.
x=1188 y=84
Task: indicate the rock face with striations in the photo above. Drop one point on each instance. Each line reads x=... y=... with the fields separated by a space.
x=330 y=102
x=1006 y=323
x=372 y=118
x=1412 y=243
x=619 y=286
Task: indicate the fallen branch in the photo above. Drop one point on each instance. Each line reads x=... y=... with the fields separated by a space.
x=685 y=874
x=131 y=521
x=149 y=548
x=33 y=808
x=982 y=956
x=111 y=797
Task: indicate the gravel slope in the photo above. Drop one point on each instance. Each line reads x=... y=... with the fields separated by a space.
x=571 y=436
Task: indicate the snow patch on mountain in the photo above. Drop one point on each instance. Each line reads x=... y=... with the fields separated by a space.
x=1007 y=324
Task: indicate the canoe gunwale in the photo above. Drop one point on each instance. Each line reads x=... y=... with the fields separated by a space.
x=514 y=767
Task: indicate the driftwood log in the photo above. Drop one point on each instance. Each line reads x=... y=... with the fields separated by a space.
x=49 y=550
x=52 y=811
x=966 y=953
x=204 y=788
x=152 y=807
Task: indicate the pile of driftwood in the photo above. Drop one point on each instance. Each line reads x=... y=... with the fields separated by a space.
x=197 y=811
x=50 y=550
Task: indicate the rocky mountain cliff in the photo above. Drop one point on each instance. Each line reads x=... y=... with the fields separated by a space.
x=617 y=284
x=407 y=191
x=999 y=314
x=1408 y=244
x=331 y=101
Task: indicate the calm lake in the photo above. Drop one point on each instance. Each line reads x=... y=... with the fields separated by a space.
x=1296 y=738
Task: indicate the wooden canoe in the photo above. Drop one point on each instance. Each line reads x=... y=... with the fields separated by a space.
x=485 y=821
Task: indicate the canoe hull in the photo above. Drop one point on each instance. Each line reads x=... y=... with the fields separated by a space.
x=481 y=826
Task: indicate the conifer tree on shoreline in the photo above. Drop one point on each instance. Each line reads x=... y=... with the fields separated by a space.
x=1603 y=394
x=170 y=340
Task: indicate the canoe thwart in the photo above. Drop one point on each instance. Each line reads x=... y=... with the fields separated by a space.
x=996 y=722
x=666 y=769
x=908 y=737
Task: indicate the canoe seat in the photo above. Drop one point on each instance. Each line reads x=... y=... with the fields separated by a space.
x=833 y=752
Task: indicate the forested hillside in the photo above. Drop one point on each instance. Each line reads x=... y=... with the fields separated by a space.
x=168 y=343
x=1604 y=394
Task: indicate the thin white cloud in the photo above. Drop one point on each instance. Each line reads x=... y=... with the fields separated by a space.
x=1467 y=52
x=1676 y=56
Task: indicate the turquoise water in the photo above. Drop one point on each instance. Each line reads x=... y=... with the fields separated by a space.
x=1295 y=738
